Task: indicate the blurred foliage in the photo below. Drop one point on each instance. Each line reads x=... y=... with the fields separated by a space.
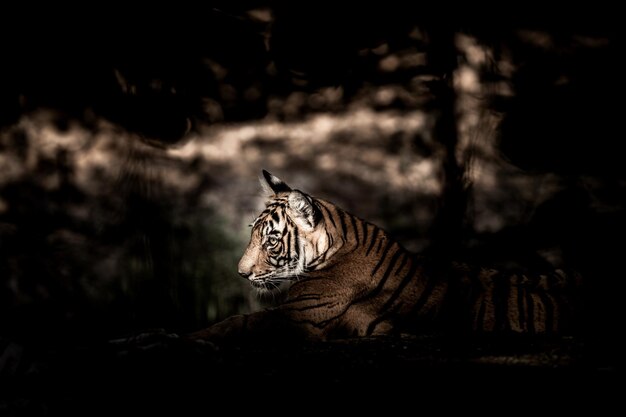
x=183 y=277
x=90 y=249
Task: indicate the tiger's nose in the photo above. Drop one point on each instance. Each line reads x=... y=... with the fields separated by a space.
x=245 y=274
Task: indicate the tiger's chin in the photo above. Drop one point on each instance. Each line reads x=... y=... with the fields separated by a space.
x=269 y=287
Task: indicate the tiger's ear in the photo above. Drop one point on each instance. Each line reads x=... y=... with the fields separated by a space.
x=302 y=210
x=273 y=185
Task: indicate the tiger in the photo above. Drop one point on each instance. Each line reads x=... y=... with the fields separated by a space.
x=346 y=277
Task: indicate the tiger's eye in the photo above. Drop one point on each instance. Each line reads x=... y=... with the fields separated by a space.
x=272 y=240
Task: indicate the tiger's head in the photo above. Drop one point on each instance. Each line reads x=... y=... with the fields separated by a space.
x=286 y=238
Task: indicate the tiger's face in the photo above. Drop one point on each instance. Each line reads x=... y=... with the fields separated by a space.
x=285 y=238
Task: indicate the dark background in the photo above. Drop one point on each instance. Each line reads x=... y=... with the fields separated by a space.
x=131 y=141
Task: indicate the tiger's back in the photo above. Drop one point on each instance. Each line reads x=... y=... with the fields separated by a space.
x=348 y=277
x=519 y=301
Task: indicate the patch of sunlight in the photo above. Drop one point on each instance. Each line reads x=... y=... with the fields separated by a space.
x=182 y=180
x=325 y=98
x=466 y=79
x=384 y=96
x=537 y=38
x=484 y=176
x=261 y=14
x=505 y=66
x=591 y=41
x=327 y=162
x=51 y=140
x=486 y=221
x=332 y=94
x=102 y=157
x=425 y=175
x=219 y=72
x=382 y=49
x=355 y=144
x=212 y=109
x=11 y=168
x=413 y=60
x=294 y=103
x=226 y=142
x=477 y=55
x=389 y=64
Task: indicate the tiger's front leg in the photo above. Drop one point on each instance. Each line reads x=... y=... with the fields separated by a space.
x=309 y=315
x=267 y=326
x=231 y=328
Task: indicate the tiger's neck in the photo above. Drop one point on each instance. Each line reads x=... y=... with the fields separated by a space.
x=351 y=239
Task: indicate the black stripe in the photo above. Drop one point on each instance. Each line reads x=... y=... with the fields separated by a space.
x=324 y=323
x=548 y=308
x=382 y=317
x=364 y=231
x=356 y=229
x=304 y=297
x=317 y=324
x=403 y=263
x=380 y=245
x=296 y=242
x=421 y=301
x=310 y=307
x=373 y=324
x=520 y=304
x=381 y=283
x=501 y=302
x=405 y=281
x=480 y=320
x=531 y=311
x=288 y=246
x=328 y=215
x=342 y=221
x=374 y=238
x=390 y=243
x=276 y=217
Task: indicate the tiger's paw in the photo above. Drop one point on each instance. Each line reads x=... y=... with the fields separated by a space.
x=226 y=331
